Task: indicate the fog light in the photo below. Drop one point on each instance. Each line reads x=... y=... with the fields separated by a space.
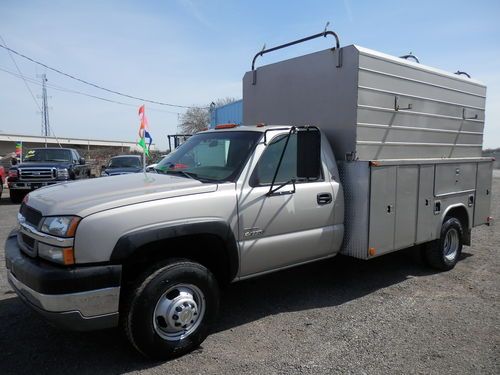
x=61 y=255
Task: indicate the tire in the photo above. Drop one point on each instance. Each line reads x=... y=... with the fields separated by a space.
x=1 y=188
x=17 y=196
x=444 y=253
x=170 y=310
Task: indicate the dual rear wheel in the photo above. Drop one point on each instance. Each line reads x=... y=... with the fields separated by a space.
x=444 y=253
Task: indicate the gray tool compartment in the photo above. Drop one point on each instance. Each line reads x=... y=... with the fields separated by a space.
x=370 y=105
x=407 y=138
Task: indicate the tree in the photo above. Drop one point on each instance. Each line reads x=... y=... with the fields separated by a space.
x=196 y=119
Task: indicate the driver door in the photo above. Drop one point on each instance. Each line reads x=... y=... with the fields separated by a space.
x=287 y=227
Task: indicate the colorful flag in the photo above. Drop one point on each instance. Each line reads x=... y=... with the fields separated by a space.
x=144 y=131
x=19 y=149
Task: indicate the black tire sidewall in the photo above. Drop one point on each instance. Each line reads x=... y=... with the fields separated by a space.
x=16 y=196
x=147 y=295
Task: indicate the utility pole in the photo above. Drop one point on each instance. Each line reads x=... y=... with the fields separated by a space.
x=45 y=110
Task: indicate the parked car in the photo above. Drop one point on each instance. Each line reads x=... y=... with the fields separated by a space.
x=43 y=167
x=123 y=164
x=151 y=167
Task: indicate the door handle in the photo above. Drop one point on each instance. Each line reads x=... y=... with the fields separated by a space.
x=324 y=198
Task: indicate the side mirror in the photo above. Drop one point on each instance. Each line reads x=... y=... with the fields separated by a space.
x=103 y=167
x=308 y=153
x=82 y=161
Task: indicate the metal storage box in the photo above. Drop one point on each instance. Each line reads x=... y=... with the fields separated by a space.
x=370 y=105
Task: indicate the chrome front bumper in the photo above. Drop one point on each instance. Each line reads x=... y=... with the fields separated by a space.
x=83 y=311
x=77 y=298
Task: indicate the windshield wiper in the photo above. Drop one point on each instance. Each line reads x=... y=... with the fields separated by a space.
x=183 y=173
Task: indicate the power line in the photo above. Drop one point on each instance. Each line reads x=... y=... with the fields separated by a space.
x=71 y=91
x=93 y=84
x=21 y=74
x=28 y=87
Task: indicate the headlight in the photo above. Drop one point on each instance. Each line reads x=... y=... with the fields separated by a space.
x=61 y=226
x=13 y=173
x=62 y=255
x=62 y=174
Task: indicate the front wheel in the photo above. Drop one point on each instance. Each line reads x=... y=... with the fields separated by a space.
x=16 y=196
x=444 y=253
x=170 y=311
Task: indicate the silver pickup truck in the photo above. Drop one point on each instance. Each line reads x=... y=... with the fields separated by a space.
x=380 y=154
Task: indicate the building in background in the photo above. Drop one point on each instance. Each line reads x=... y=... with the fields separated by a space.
x=231 y=113
x=96 y=152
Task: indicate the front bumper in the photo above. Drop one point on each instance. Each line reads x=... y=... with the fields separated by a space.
x=76 y=298
x=31 y=185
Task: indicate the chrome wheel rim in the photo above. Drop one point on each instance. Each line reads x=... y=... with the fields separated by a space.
x=451 y=244
x=179 y=312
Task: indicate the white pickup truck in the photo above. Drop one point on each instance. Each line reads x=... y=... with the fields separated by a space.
x=371 y=154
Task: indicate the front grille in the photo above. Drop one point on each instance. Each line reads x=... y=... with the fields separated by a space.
x=27 y=244
x=28 y=241
x=35 y=174
x=31 y=215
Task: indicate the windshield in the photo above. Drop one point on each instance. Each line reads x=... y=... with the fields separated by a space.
x=211 y=156
x=47 y=154
x=125 y=162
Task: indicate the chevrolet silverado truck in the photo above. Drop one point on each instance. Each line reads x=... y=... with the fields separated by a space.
x=43 y=167
x=371 y=154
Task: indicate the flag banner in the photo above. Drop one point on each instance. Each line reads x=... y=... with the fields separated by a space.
x=144 y=131
x=19 y=149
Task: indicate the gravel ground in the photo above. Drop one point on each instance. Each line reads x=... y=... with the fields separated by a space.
x=390 y=315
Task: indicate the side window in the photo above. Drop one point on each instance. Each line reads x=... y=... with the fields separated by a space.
x=266 y=167
x=75 y=157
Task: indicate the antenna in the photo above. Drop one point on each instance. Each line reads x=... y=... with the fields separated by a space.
x=326 y=26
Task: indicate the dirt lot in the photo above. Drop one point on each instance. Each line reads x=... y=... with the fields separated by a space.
x=388 y=315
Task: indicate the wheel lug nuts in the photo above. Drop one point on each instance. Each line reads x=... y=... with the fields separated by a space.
x=178 y=309
x=175 y=317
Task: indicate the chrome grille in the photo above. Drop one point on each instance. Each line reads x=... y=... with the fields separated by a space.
x=34 y=174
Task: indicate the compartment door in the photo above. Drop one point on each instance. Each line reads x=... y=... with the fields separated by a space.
x=483 y=193
x=382 y=208
x=426 y=222
x=406 y=206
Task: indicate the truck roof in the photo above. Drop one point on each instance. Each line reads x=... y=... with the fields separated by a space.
x=253 y=128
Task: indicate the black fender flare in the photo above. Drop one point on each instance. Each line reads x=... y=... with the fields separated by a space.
x=130 y=243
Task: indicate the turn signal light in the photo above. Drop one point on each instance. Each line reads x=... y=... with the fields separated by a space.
x=372 y=251
x=68 y=256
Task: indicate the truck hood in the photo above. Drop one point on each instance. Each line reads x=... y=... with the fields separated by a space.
x=86 y=197
x=44 y=164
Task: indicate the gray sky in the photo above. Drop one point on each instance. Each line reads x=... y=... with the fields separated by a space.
x=192 y=52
